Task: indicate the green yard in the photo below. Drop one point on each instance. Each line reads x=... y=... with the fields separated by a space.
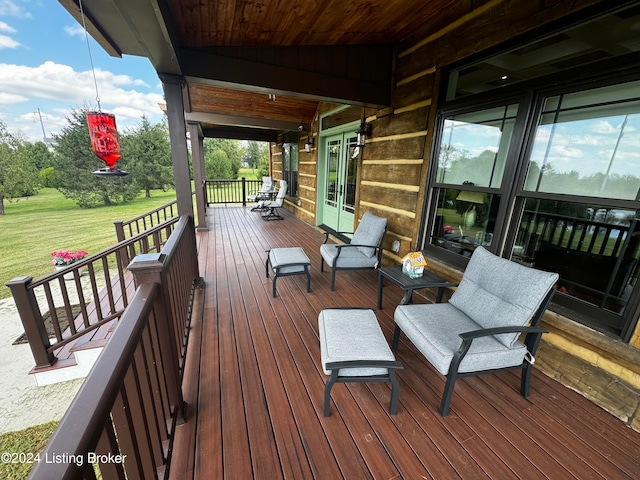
x=33 y=227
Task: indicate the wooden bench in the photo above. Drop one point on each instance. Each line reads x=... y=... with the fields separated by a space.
x=354 y=349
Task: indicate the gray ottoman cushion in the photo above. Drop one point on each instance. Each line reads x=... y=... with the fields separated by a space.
x=347 y=335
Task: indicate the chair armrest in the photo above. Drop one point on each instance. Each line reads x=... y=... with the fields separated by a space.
x=485 y=332
x=340 y=246
x=468 y=337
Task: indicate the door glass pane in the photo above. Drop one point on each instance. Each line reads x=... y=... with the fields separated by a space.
x=464 y=220
x=351 y=173
x=594 y=248
x=474 y=147
x=333 y=157
x=586 y=143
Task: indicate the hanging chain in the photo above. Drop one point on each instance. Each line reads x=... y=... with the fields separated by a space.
x=93 y=70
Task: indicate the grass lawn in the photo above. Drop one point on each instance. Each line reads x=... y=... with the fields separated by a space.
x=249 y=174
x=33 y=227
x=25 y=444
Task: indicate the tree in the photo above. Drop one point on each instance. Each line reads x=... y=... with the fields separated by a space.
x=148 y=153
x=231 y=150
x=254 y=153
x=218 y=165
x=18 y=174
x=75 y=161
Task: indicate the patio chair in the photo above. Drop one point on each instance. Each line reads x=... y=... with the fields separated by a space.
x=363 y=252
x=478 y=330
x=270 y=207
x=262 y=193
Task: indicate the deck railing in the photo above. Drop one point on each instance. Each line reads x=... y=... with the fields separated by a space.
x=121 y=423
x=93 y=299
x=129 y=228
x=229 y=191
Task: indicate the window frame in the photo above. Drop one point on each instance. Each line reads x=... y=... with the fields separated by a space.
x=530 y=97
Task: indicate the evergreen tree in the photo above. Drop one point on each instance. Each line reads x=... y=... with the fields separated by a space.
x=18 y=174
x=232 y=154
x=75 y=161
x=148 y=153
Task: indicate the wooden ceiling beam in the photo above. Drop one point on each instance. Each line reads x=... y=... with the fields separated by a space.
x=342 y=74
x=234 y=120
x=241 y=133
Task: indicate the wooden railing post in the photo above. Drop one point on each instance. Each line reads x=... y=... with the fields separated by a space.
x=244 y=192
x=149 y=268
x=31 y=317
x=119 y=225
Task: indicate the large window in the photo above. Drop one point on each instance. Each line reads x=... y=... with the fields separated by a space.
x=290 y=167
x=550 y=179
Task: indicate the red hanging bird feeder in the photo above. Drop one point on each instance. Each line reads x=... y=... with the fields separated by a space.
x=105 y=143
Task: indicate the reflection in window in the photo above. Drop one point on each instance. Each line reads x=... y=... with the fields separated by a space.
x=595 y=249
x=464 y=220
x=331 y=176
x=290 y=168
x=587 y=144
x=474 y=147
x=351 y=175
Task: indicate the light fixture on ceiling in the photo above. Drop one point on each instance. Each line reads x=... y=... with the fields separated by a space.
x=271 y=97
x=363 y=132
x=308 y=145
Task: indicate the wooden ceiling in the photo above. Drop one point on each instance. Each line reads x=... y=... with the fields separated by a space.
x=251 y=23
x=235 y=54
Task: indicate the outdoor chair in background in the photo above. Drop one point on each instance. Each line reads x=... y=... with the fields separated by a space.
x=363 y=252
x=270 y=207
x=478 y=330
x=262 y=193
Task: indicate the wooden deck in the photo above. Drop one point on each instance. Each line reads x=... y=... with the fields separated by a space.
x=254 y=388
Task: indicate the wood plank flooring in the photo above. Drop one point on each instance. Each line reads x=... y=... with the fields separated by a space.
x=254 y=387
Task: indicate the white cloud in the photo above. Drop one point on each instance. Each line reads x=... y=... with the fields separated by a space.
x=13 y=8
x=6 y=28
x=11 y=98
x=8 y=42
x=75 y=31
x=58 y=88
x=603 y=127
x=566 y=152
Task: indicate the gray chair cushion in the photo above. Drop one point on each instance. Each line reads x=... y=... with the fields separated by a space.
x=347 y=335
x=349 y=257
x=369 y=232
x=495 y=292
x=434 y=329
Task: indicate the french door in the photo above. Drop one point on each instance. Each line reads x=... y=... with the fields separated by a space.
x=339 y=175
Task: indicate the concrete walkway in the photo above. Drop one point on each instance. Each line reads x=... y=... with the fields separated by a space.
x=22 y=403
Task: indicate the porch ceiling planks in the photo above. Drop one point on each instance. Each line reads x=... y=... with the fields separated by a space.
x=300 y=22
x=258 y=413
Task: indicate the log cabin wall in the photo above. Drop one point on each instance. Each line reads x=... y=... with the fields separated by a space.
x=603 y=369
x=393 y=175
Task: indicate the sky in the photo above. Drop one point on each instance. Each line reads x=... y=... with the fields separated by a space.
x=46 y=72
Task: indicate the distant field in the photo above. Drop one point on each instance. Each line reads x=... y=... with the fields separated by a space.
x=35 y=226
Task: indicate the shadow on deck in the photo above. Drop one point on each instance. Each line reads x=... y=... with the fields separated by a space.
x=254 y=387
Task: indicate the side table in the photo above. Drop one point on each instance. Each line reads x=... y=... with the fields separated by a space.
x=395 y=275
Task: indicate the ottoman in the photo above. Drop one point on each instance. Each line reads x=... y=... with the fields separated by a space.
x=288 y=261
x=354 y=349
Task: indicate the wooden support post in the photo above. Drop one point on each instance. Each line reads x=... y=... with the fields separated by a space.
x=32 y=321
x=172 y=85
